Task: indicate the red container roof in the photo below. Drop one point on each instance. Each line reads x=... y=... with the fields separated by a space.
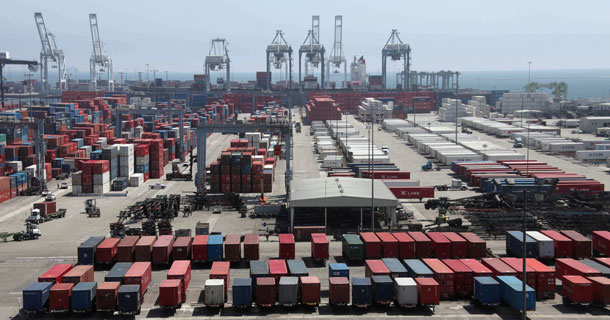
x=109 y=243
x=319 y=238
x=419 y=236
x=438 y=237
x=517 y=264
x=266 y=281
x=402 y=237
x=277 y=266
x=220 y=268
x=164 y=241
x=183 y=241
x=62 y=286
x=338 y=280
x=437 y=266
x=138 y=269
x=179 y=267
x=110 y=285
x=576 y=279
x=78 y=271
x=251 y=239
x=310 y=280
x=498 y=265
x=146 y=241
x=377 y=266
x=56 y=271
x=233 y=239
x=556 y=236
x=170 y=283
x=576 y=265
x=453 y=237
x=475 y=266
x=574 y=235
x=386 y=237
x=471 y=237
x=286 y=238
x=537 y=265
x=602 y=280
x=369 y=237
x=426 y=281
x=129 y=241
x=200 y=240
x=456 y=265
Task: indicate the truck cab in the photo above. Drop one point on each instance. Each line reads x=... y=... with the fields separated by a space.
x=34 y=216
x=518 y=143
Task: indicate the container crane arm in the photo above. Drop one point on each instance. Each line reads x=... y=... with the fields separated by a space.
x=44 y=36
x=98 y=50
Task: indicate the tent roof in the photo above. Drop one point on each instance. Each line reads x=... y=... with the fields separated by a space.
x=340 y=192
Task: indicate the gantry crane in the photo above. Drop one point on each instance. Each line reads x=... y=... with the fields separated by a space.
x=314 y=51
x=560 y=89
x=50 y=53
x=336 y=57
x=278 y=50
x=5 y=59
x=99 y=57
x=218 y=59
x=396 y=49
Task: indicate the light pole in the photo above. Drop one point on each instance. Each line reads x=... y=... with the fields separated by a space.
x=29 y=86
x=373 y=172
x=529 y=71
x=147 y=74
x=527 y=162
x=121 y=74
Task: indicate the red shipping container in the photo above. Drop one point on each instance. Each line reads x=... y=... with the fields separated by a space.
x=310 y=291
x=222 y=270
x=170 y=293
x=277 y=269
x=181 y=270
x=232 y=247
x=582 y=245
x=144 y=248
x=46 y=208
x=107 y=250
x=441 y=246
x=406 y=245
x=571 y=267
x=477 y=248
x=412 y=192
x=389 y=245
x=388 y=175
x=59 y=297
x=162 y=249
x=462 y=277
x=251 y=245
x=182 y=248
x=55 y=274
x=200 y=248
x=106 y=296
x=372 y=245
x=604 y=261
x=338 y=291
x=443 y=275
x=517 y=265
x=498 y=267
x=140 y=273
x=319 y=246
x=265 y=291
x=375 y=268
x=545 y=279
x=478 y=269
x=577 y=289
x=601 y=290
x=563 y=245
x=423 y=244
x=127 y=248
x=79 y=274
x=286 y=247
x=601 y=242
x=459 y=246
x=428 y=291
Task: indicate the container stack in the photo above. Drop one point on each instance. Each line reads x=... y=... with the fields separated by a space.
x=322 y=108
x=142 y=153
x=126 y=160
x=240 y=169
x=156 y=156
x=111 y=153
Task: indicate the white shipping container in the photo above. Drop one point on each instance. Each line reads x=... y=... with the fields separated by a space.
x=77 y=179
x=593 y=155
x=405 y=291
x=136 y=179
x=16 y=165
x=101 y=189
x=401 y=183
x=214 y=292
x=101 y=178
x=141 y=161
x=447 y=159
x=545 y=245
x=76 y=189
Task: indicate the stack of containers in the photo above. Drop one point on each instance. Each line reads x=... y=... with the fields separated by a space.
x=101 y=176
x=142 y=152
x=126 y=160
x=111 y=153
x=156 y=158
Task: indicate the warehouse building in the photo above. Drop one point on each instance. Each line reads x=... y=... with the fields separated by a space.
x=590 y=124
x=338 y=203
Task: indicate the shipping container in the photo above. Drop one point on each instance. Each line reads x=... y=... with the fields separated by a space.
x=362 y=292
x=441 y=246
x=443 y=275
x=215 y=293
x=571 y=267
x=55 y=274
x=428 y=292
x=277 y=269
x=406 y=245
x=181 y=270
x=459 y=245
x=562 y=244
x=170 y=293
x=498 y=268
x=338 y=270
x=139 y=274
x=251 y=247
x=417 y=269
x=375 y=267
x=297 y=268
x=106 y=296
x=383 y=290
x=487 y=291
x=405 y=292
x=352 y=247
x=544 y=244
x=232 y=247
x=462 y=277
x=200 y=248
x=144 y=248
x=601 y=242
x=512 y=293
x=423 y=244
x=389 y=245
x=222 y=270
x=576 y=289
x=86 y=250
x=83 y=297
x=162 y=249
x=258 y=269
x=372 y=245
x=127 y=248
x=288 y=291
x=601 y=290
x=265 y=292
x=397 y=270
x=36 y=297
x=478 y=269
x=242 y=292
x=605 y=271
x=517 y=265
x=59 y=297
x=182 y=248
x=545 y=279
x=582 y=246
x=286 y=246
x=106 y=251
x=319 y=246
x=117 y=272
x=338 y=291
x=129 y=300
x=514 y=245
x=214 y=247
x=79 y=274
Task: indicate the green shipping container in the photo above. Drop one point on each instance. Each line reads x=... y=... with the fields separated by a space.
x=2 y=138
x=353 y=248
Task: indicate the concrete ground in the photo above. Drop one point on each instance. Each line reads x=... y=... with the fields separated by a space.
x=22 y=262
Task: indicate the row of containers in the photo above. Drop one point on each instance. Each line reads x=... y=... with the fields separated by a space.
x=510 y=176
x=404 y=102
x=410 y=283
x=551 y=244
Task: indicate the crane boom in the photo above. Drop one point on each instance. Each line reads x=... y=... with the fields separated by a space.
x=44 y=37
x=95 y=36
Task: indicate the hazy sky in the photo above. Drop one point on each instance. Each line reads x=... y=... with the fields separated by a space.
x=454 y=35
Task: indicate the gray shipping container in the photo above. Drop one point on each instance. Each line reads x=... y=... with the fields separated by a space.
x=417 y=269
x=514 y=245
x=288 y=291
x=214 y=293
x=297 y=268
x=405 y=291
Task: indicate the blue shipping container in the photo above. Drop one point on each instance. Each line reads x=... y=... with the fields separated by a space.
x=36 y=296
x=514 y=244
x=86 y=250
x=242 y=292
x=129 y=299
x=397 y=270
x=215 y=248
x=362 y=292
x=487 y=291
x=297 y=268
x=83 y=296
x=417 y=269
x=117 y=272
x=513 y=296
x=338 y=270
x=383 y=289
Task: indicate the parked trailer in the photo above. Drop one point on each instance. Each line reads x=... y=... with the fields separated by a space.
x=512 y=293
x=423 y=244
x=106 y=297
x=406 y=245
x=444 y=276
x=514 y=244
x=545 y=279
x=405 y=292
x=129 y=300
x=86 y=250
x=338 y=291
x=36 y=297
x=222 y=270
x=118 y=271
x=372 y=245
x=106 y=251
x=517 y=265
x=83 y=297
x=459 y=245
x=265 y=292
x=389 y=245
x=582 y=245
x=338 y=270
x=310 y=291
x=170 y=294
x=139 y=274
x=214 y=247
x=352 y=247
x=601 y=290
x=232 y=249
x=55 y=273
x=477 y=247
x=127 y=248
x=215 y=293
x=463 y=277
x=288 y=291
x=428 y=292
x=362 y=292
x=144 y=248
x=562 y=245
x=487 y=291
x=200 y=248
x=251 y=247
x=413 y=192
x=287 y=246
x=576 y=290
x=319 y=246
x=441 y=246
x=59 y=297
x=242 y=292
x=601 y=242
x=181 y=270
x=182 y=248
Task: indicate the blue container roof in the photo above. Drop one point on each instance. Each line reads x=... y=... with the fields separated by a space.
x=39 y=286
x=508 y=280
x=519 y=235
x=486 y=280
x=289 y=280
x=215 y=239
x=361 y=281
x=242 y=282
x=129 y=288
x=85 y=286
x=382 y=279
x=338 y=266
